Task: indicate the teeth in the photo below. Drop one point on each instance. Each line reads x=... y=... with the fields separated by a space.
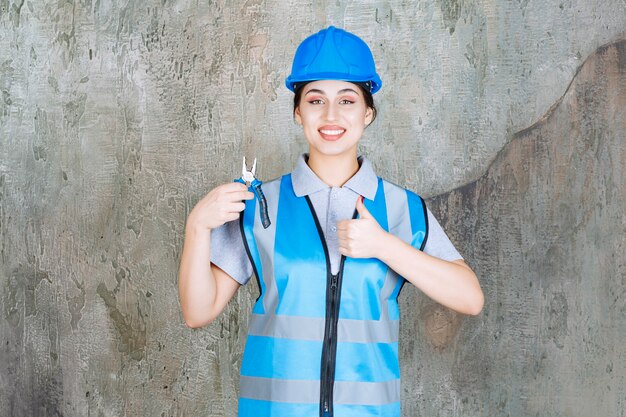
x=332 y=132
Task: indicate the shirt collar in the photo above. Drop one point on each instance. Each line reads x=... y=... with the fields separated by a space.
x=305 y=181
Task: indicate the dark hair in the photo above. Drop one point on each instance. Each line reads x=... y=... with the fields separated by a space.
x=369 y=99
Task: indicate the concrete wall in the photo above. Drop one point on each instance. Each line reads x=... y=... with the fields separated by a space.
x=116 y=117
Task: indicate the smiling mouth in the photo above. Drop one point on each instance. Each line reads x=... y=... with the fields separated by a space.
x=331 y=134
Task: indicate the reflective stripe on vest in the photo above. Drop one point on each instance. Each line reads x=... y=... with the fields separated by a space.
x=289 y=336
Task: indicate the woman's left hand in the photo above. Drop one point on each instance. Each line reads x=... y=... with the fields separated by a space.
x=362 y=237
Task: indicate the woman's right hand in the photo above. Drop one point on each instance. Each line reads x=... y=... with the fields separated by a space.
x=222 y=204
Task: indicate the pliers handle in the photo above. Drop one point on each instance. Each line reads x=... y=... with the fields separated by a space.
x=255 y=185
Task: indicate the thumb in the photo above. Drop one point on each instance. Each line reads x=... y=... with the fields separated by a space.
x=360 y=207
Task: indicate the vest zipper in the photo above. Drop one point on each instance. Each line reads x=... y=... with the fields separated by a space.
x=326 y=392
x=329 y=349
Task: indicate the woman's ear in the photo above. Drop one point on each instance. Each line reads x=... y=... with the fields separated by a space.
x=369 y=115
x=297 y=115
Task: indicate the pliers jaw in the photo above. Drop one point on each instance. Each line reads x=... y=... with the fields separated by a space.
x=248 y=176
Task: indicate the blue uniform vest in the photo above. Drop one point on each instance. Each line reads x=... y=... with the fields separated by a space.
x=321 y=344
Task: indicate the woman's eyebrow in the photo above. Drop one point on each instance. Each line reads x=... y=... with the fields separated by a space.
x=314 y=90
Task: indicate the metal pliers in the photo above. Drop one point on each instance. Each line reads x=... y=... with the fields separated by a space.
x=248 y=178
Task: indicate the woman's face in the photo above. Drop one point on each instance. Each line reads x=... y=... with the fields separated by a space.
x=333 y=115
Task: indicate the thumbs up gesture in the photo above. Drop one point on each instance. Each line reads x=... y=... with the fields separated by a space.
x=360 y=238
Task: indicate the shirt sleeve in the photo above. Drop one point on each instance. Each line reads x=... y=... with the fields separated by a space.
x=438 y=244
x=229 y=253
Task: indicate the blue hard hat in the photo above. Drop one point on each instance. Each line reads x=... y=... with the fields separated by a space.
x=334 y=54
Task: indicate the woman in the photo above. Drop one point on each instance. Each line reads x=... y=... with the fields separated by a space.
x=323 y=337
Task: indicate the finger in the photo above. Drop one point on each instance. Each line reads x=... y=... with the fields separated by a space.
x=344 y=237
x=343 y=224
x=242 y=195
x=236 y=196
x=235 y=207
x=360 y=207
x=347 y=232
x=235 y=186
x=232 y=216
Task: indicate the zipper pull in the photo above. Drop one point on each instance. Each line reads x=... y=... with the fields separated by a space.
x=333 y=281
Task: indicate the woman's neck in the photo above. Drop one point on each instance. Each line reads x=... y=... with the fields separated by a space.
x=334 y=170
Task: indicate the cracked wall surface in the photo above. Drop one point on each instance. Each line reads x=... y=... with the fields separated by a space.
x=117 y=117
x=545 y=230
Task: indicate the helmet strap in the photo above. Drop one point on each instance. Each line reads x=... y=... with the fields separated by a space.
x=367 y=85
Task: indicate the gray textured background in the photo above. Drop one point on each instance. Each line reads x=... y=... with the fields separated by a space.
x=116 y=117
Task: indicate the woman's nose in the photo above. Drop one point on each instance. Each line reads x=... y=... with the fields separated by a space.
x=331 y=111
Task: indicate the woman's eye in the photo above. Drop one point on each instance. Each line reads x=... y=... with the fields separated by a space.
x=346 y=101
x=316 y=101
